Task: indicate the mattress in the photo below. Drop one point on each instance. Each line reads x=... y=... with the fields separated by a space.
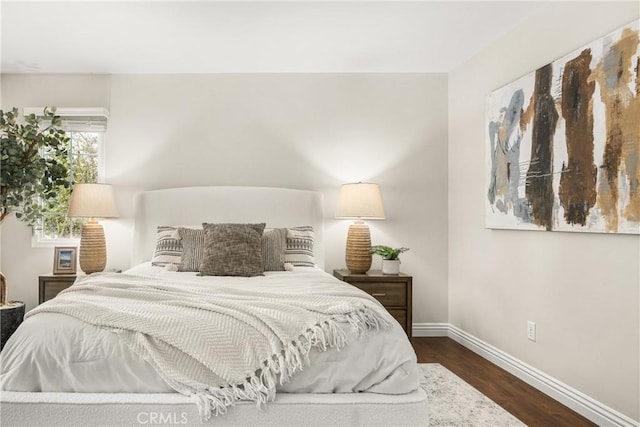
x=54 y=353
x=121 y=409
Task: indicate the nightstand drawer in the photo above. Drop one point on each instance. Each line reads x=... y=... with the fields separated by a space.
x=51 y=285
x=394 y=292
x=389 y=294
x=400 y=316
x=54 y=288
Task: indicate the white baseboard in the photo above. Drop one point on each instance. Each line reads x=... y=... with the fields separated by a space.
x=568 y=396
x=430 y=329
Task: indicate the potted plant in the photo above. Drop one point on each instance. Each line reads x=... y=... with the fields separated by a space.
x=390 y=260
x=33 y=167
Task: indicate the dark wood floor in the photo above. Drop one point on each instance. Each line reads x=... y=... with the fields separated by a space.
x=529 y=405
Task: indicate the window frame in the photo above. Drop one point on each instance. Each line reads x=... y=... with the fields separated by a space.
x=90 y=120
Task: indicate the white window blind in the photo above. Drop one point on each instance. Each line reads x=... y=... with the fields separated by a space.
x=93 y=119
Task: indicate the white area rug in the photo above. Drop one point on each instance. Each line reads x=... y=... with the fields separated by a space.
x=453 y=402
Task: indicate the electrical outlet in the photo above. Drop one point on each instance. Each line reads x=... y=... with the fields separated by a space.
x=531 y=330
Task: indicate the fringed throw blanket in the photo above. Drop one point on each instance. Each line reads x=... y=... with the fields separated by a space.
x=220 y=344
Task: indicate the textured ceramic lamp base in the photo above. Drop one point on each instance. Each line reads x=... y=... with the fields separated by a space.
x=358 y=254
x=93 y=250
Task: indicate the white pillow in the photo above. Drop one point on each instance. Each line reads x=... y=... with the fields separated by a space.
x=299 y=250
x=168 y=247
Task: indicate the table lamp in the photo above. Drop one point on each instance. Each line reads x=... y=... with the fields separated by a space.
x=359 y=200
x=92 y=201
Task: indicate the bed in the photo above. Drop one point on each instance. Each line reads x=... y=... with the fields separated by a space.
x=371 y=380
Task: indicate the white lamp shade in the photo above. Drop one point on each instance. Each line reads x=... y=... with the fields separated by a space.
x=92 y=201
x=360 y=200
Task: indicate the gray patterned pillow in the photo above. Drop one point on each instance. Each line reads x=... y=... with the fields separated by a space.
x=274 y=242
x=232 y=250
x=168 y=247
x=299 y=250
x=192 y=248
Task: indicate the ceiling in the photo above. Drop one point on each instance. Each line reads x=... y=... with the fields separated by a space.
x=250 y=37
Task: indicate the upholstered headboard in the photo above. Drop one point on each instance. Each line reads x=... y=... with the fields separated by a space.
x=278 y=207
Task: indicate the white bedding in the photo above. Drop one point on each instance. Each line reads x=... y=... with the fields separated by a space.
x=57 y=353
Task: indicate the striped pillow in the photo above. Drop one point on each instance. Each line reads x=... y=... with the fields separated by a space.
x=299 y=249
x=274 y=242
x=192 y=248
x=168 y=247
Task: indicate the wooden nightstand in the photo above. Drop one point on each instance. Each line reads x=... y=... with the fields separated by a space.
x=52 y=284
x=393 y=292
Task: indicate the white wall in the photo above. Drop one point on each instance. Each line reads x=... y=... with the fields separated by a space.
x=312 y=131
x=581 y=289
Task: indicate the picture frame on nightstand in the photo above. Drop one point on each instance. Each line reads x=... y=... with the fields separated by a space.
x=64 y=260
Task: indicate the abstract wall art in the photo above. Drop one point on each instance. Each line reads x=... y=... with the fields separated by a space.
x=563 y=142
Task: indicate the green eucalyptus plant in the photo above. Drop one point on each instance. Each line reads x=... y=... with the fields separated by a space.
x=32 y=170
x=387 y=252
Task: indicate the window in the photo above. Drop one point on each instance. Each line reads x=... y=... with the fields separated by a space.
x=83 y=165
x=85 y=128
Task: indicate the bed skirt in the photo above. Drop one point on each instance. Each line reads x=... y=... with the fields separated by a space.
x=127 y=409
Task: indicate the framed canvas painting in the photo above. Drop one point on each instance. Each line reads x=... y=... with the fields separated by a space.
x=563 y=142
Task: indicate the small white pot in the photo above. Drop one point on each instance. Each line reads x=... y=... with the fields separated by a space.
x=391 y=266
